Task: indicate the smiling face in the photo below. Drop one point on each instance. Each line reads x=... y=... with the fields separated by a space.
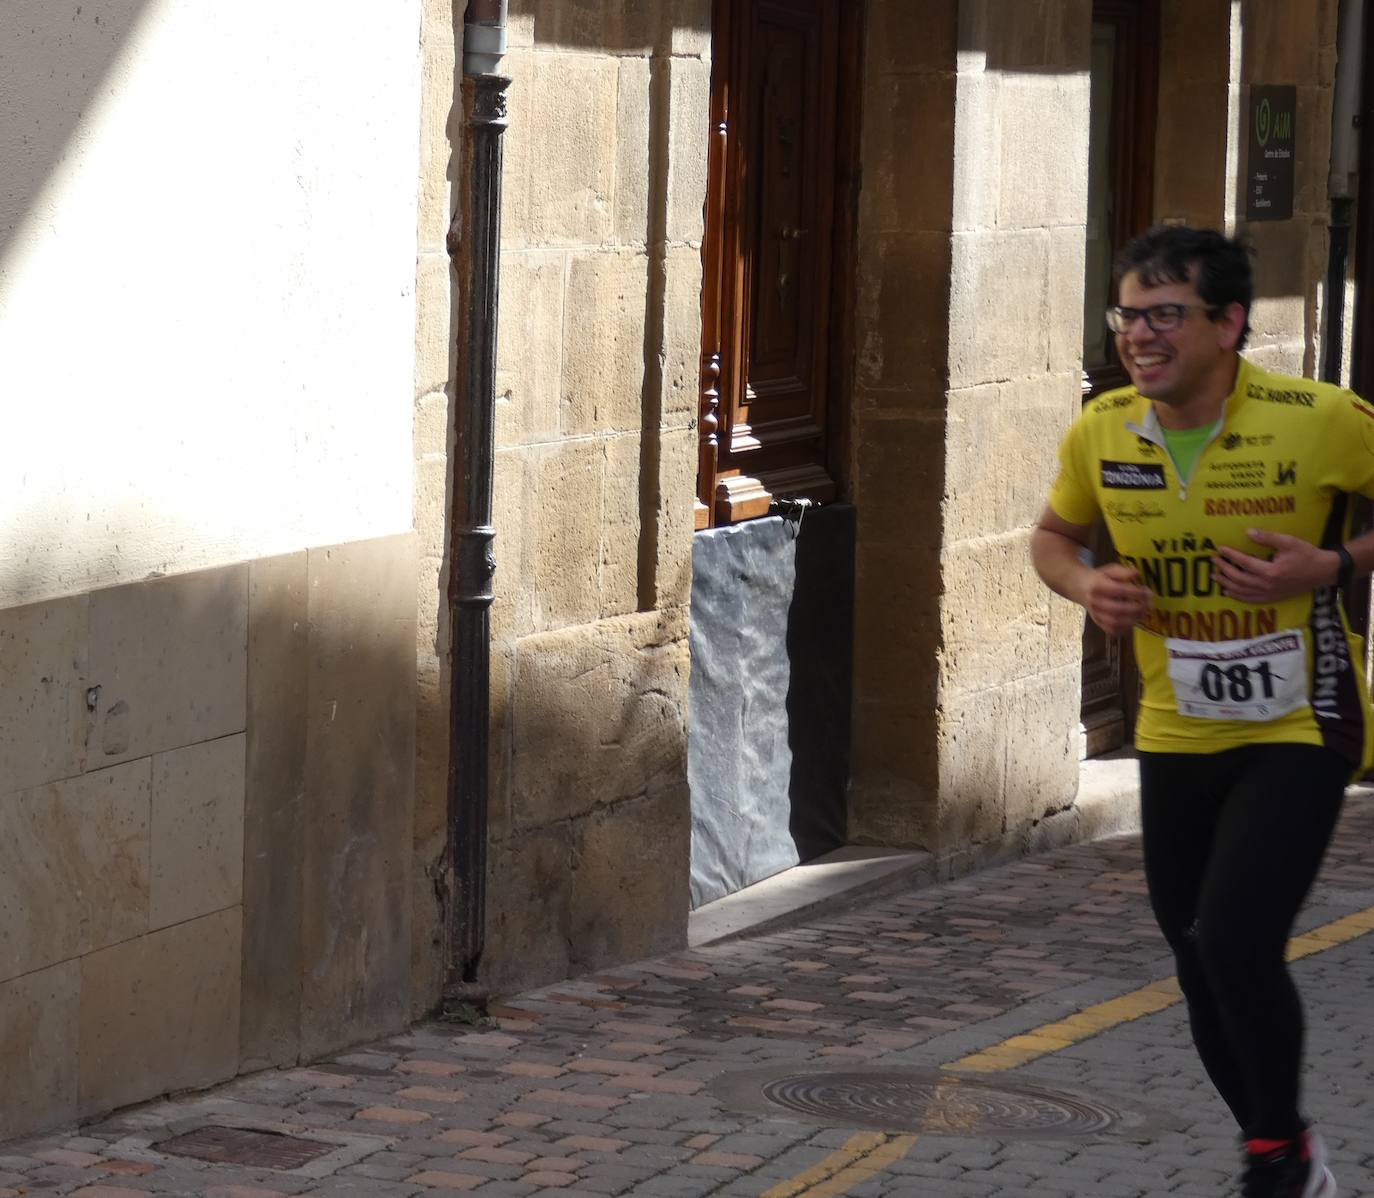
x=1189 y=370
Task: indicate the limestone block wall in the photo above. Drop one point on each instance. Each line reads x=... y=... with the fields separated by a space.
x=970 y=334
x=1292 y=42
x=1211 y=52
x=205 y=799
x=599 y=336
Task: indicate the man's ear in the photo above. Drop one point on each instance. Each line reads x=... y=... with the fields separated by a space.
x=1230 y=322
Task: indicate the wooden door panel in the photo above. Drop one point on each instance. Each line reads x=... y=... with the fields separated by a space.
x=785 y=60
x=791 y=190
x=1124 y=85
x=766 y=364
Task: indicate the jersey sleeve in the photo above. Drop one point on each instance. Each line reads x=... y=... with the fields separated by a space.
x=1350 y=441
x=1072 y=497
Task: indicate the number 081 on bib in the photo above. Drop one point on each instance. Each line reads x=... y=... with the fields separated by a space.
x=1257 y=679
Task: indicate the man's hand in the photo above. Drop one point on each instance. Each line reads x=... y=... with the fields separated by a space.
x=1115 y=598
x=1294 y=568
x=1113 y=594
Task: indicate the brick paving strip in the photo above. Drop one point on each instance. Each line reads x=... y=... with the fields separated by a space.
x=600 y=1085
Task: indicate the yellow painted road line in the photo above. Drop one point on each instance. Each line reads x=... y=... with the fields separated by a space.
x=1329 y=935
x=862 y=1170
x=1157 y=996
x=855 y=1149
x=1081 y=1025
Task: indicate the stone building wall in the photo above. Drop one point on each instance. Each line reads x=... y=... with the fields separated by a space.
x=1291 y=42
x=599 y=337
x=207 y=610
x=970 y=333
x=1211 y=52
x=971 y=243
x=205 y=788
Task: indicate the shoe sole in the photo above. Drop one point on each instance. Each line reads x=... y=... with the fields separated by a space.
x=1326 y=1188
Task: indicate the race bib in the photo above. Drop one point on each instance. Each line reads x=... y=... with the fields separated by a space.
x=1257 y=679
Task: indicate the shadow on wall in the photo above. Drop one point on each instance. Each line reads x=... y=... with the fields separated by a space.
x=1027 y=36
x=615 y=25
x=820 y=646
x=589 y=819
x=54 y=59
x=209 y=781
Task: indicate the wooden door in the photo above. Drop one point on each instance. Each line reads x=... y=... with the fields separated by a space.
x=776 y=211
x=1124 y=85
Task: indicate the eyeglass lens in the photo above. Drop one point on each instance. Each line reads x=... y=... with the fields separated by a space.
x=1159 y=317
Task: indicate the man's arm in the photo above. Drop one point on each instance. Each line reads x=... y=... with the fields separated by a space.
x=1112 y=594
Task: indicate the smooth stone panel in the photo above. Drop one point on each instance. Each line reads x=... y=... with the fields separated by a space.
x=634 y=163
x=73 y=867
x=631 y=861
x=274 y=811
x=197 y=831
x=688 y=151
x=599 y=716
x=160 y=1013
x=529 y=910
x=359 y=792
x=38 y=1029
x=170 y=660
x=1042 y=746
x=564 y=528
x=603 y=342
x=42 y=692
x=529 y=347
x=570 y=134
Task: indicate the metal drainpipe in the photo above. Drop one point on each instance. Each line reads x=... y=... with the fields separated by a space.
x=1341 y=186
x=474 y=246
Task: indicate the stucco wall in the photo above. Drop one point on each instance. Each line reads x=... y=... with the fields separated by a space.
x=207 y=354
x=207 y=243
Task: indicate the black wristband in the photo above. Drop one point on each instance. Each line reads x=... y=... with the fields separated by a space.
x=1347 y=567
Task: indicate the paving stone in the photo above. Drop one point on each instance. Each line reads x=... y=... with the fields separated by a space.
x=606 y=1084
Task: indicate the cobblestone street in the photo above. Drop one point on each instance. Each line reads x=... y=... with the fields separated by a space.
x=621 y=1083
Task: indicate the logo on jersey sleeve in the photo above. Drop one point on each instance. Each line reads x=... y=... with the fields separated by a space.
x=1133 y=476
x=1291 y=397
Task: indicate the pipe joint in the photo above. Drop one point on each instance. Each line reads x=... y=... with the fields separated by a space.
x=474 y=566
x=484 y=38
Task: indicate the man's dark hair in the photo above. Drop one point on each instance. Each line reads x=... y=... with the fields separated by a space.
x=1218 y=266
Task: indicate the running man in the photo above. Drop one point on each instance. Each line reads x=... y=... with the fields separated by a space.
x=1224 y=487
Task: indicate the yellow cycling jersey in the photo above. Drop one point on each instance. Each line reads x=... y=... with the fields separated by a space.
x=1217 y=672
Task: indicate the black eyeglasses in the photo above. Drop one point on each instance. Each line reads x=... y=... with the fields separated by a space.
x=1161 y=318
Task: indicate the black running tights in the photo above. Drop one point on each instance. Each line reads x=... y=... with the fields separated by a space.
x=1232 y=843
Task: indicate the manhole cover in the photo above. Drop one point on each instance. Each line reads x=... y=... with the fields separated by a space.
x=923 y=1100
x=238 y=1146
x=943 y=1104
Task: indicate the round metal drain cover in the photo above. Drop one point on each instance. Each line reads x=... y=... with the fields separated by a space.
x=939 y=1103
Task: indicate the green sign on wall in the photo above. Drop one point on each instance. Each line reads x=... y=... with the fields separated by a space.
x=1269 y=179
